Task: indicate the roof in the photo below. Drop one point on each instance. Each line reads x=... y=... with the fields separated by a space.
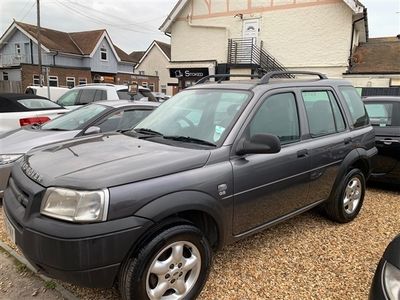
x=124 y=103
x=163 y=47
x=354 y=5
x=78 y=43
x=15 y=96
x=377 y=56
x=136 y=56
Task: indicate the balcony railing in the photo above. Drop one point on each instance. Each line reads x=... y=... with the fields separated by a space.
x=7 y=60
x=246 y=52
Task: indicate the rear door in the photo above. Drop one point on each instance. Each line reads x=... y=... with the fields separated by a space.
x=385 y=118
x=330 y=139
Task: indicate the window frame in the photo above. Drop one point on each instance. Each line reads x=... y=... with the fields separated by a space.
x=349 y=115
x=70 y=79
x=17 y=49
x=256 y=107
x=330 y=92
x=103 y=50
x=5 y=76
x=53 y=78
x=145 y=84
x=81 y=79
x=37 y=78
x=151 y=85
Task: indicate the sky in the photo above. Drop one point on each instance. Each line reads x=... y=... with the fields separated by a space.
x=133 y=24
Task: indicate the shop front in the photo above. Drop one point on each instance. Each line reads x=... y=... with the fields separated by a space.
x=188 y=76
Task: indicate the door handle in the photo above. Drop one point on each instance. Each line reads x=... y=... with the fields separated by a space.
x=348 y=140
x=389 y=141
x=302 y=153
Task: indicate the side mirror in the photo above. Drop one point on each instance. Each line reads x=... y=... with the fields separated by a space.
x=92 y=130
x=260 y=144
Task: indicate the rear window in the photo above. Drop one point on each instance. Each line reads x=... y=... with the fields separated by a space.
x=39 y=104
x=356 y=106
x=382 y=114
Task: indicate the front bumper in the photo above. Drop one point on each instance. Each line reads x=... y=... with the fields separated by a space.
x=83 y=254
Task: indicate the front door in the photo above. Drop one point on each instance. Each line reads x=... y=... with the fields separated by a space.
x=251 y=29
x=269 y=186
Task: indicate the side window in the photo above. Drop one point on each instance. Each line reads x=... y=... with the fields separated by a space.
x=87 y=96
x=278 y=116
x=323 y=112
x=100 y=95
x=356 y=107
x=69 y=98
x=123 y=120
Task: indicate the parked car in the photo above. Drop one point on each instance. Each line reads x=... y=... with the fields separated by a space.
x=102 y=116
x=88 y=93
x=384 y=113
x=161 y=97
x=55 y=92
x=17 y=110
x=386 y=281
x=212 y=165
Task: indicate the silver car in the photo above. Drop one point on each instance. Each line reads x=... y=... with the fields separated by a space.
x=102 y=116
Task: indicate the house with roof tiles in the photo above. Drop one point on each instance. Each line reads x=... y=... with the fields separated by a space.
x=73 y=58
x=155 y=62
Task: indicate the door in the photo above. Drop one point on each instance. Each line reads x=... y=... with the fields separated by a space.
x=250 y=34
x=385 y=117
x=269 y=186
x=251 y=29
x=329 y=143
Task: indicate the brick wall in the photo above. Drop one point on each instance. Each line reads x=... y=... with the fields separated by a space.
x=27 y=72
x=146 y=81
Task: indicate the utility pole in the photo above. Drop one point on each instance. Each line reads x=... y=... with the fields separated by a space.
x=38 y=40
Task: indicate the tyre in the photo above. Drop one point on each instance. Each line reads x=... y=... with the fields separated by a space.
x=346 y=201
x=172 y=265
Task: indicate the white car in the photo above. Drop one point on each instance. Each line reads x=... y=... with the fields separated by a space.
x=55 y=92
x=17 y=110
x=88 y=93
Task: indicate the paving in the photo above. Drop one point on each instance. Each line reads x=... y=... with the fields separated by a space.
x=308 y=257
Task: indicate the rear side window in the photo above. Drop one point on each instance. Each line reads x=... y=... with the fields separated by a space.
x=356 y=106
x=100 y=95
x=123 y=94
x=39 y=104
x=382 y=114
x=278 y=116
x=323 y=112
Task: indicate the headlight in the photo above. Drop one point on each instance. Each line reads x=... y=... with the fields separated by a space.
x=75 y=206
x=391 y=279
x=8 y=158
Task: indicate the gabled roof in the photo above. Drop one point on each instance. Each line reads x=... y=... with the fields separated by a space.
x=136 y=55
x=78 y=43
x=377 y=56
x=163 y=47
x=354 y=5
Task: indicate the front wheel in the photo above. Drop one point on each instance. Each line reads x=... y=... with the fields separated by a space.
x=346 y=202
x=173 y=265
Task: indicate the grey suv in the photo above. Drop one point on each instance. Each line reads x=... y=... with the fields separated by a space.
x=216 y=163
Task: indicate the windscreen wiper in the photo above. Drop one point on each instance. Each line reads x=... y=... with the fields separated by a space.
x=188 y=139
x=147 y=131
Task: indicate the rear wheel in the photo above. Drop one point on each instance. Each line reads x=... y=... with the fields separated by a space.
x=346 y=202
x=173 y=265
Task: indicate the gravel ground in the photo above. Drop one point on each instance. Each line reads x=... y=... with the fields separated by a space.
x=307 y=257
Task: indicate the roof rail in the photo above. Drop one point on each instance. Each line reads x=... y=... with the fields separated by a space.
x=266 y=78
x=221 y=77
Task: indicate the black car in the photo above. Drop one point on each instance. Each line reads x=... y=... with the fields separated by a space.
x=386 y=282
x=384 y=113
x=214 y=164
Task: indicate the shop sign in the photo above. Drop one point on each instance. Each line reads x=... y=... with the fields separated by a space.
x=188 y=73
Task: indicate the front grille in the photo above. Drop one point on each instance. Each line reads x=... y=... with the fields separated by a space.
x=20 y=196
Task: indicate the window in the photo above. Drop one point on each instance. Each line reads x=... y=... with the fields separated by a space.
x=82 y=80
x=69 y=98
x=5 y=76
x=144 y=84
x=100 y=95
x=355 y=105
x=323 y=112
x=278 y=116
x=382 y=114
x=141 y=72
x=39 y=104
x=17 y=49
x=103 y=53
x=151 y=87
x=53 y=81
x=36 y=79
x=70 y=82
x=87 y=96
x=164 y=89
